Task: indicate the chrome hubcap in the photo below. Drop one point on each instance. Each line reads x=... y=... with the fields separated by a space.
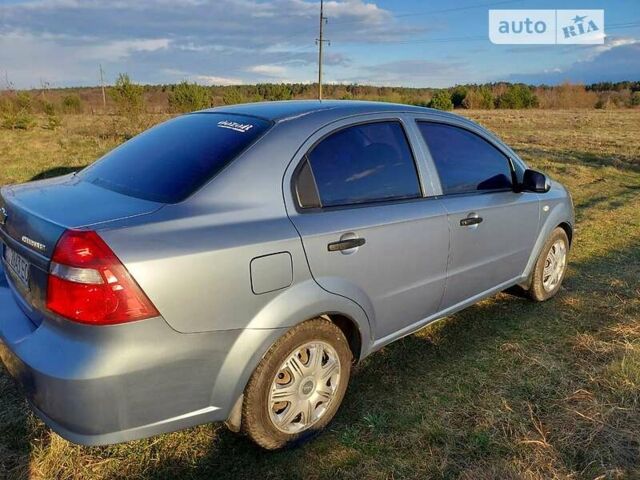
x=304 y=387
x=554 y=265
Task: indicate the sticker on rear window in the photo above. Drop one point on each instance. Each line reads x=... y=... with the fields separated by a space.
x=238 y=127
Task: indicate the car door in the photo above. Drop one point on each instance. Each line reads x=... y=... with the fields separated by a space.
x=493 y=226
x=368 y=230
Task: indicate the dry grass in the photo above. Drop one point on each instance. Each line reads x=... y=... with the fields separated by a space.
x=506 y=389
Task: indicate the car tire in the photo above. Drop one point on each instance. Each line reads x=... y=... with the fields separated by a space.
x=298 y=373
x=550 y=267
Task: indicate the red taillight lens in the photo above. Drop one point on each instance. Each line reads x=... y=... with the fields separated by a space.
x=89 y=284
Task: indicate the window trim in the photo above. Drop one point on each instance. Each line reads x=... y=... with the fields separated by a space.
x=304 y=162
x=385 y=201
x=506 y=155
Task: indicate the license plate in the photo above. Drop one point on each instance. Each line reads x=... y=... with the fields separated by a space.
x=18 y=265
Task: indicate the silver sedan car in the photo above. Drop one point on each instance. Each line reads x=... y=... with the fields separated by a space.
x=232 y=264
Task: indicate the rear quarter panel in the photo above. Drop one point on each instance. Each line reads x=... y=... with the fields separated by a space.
x=194 y=263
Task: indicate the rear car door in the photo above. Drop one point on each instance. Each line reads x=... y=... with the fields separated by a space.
x=368 y=231
x=493 y=226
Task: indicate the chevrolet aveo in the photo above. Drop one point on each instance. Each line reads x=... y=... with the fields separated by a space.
x=232 y=264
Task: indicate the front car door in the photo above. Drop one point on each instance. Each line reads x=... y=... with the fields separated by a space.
x=368 y=229
x=493 y=226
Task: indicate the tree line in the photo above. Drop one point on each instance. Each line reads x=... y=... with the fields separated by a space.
x=129 y=99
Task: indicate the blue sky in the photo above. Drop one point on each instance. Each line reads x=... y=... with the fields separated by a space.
x=409 y=43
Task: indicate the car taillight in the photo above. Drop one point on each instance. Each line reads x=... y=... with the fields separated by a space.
x=89 y=284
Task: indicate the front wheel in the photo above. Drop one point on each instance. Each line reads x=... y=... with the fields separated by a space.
x=550 y=267
x=298 y=386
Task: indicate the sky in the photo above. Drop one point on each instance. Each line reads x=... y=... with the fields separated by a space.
x=409 y=43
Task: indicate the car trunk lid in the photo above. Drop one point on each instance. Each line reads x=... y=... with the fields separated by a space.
x=34 y=216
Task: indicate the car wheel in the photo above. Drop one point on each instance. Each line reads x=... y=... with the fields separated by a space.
x=298 y=386
x=550 y=267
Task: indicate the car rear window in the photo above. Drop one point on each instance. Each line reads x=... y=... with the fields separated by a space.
x=172 y=160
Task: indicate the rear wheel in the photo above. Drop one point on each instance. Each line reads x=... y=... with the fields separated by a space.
x=298 y=386
x=550 y=267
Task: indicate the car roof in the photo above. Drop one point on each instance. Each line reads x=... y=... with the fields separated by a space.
x=280 y=111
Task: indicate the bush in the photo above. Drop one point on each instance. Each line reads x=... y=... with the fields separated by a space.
x=458 y=94
x=19 y=120
x=275 y=91
x=53 y=120
x=232 y=96
x=187 y=97
x=635 y=99
x=71 y=104
x=418 y=102
x=567 y=95
x=6 y=104
x=517 y=96
x=612 y=99
x=480 y=98
x=127 y=96
x=15 y=113
x=24 y=102
x=441 y=101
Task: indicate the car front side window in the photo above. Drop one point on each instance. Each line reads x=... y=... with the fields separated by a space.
x=466 y=163
x=360 y=164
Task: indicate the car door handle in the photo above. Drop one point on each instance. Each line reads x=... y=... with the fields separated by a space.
x=467 y=222
x=346 y=244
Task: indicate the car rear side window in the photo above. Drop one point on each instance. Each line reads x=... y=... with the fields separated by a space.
x=172 y=160
x=363 y=163
x=465 y=161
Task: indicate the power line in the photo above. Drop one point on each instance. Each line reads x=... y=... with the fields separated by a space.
x=305 y=31
x=473 y=38
x=464 y=38
x=445 y=10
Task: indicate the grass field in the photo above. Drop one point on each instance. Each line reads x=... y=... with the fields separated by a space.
x=505 y=389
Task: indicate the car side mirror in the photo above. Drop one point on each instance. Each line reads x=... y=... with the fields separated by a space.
x=534 y=181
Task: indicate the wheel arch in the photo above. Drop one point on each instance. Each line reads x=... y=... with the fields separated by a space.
x=291 y=307
x=351 y=331
x=568 y=229
x=560 y=215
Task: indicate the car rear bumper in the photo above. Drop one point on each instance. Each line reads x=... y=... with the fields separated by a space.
x=105 y=385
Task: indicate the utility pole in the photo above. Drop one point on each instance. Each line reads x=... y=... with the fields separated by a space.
x=104 y=97
x=319 y=42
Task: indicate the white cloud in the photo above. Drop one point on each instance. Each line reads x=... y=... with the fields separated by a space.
x=609 y=43
x=368 y=13
x=119 y=49
x=249 y=40
x=245 y=40
x=214 y=80
x=268 y=70
x=27 y=58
